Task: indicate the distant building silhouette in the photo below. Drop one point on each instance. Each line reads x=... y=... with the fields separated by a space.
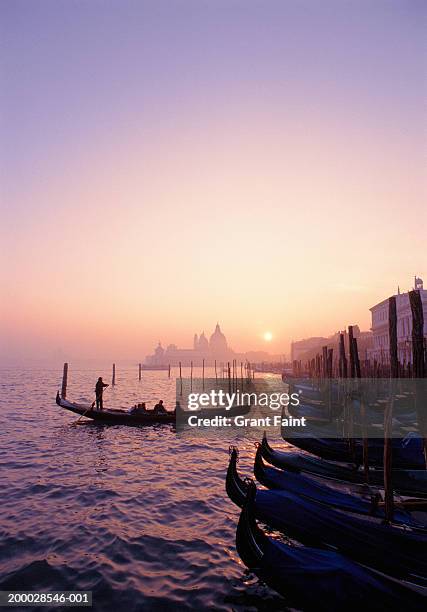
x=216 y=348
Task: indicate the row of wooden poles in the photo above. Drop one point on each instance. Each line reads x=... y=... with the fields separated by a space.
x=322 y=367
x=227 y=372
x=325 y=366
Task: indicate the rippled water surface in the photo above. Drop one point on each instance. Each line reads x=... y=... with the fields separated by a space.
x=137 y=515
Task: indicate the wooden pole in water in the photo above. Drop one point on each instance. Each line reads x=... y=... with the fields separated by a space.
x=365 y=449
x=352 y=374
x=203 y=374
x=64 y=381
x=232 y=375
x=216 y=374
x=364 y=438
x=241 y=373
x=350 y=350
x=388 y=459
x=388 y=413
x=113 y=381
x=418 y=363
x=180 y=377
x=229 y=377
x=329 y=361
x=324 y=362
x=343 y=358
x=139 y=375
x=357 y=369
x=191 y=377
x=169 y=371
x=392 y=334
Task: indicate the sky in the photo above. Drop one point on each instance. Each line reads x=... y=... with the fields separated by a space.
x=169 y=164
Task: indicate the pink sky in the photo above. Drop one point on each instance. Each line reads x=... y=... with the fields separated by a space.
x=170 y=165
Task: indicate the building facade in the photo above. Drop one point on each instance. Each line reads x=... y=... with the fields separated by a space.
x=380 y=351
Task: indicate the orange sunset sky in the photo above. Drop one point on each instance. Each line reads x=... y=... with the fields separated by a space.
x=168 y=165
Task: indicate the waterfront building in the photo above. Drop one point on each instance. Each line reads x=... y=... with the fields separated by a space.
x=379 y=313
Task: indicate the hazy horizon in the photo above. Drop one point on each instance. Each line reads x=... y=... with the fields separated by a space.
x=169 y=164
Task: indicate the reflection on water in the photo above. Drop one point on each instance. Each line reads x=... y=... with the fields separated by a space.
x=137 y=515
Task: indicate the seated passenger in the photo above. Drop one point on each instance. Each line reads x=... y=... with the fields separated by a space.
x=159 y=408
x=139 y=409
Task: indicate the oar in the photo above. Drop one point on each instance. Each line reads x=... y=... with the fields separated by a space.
x=82 y=415
x=85 y=412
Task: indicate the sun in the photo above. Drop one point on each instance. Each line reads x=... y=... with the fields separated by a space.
x=268 y=336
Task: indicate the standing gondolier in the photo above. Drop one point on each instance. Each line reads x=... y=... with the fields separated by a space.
x=99 y=389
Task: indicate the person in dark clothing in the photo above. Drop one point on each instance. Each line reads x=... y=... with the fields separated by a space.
x=139 y=409
x=159 y=408
x=99 y=389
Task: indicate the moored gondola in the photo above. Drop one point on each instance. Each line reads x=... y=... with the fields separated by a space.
x=405 y=482
x=303 y=485
x=396 y=551
x=313 y=579
x=407 y=452
x=277 y=480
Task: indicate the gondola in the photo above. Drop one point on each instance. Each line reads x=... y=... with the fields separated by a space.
x=277 y=480
x=386 y=548
x=115 y=417
x=122 y=417
x=319 y=411
x=307 y=487
x=407 y=452
x=317 y=580
x=405 y=482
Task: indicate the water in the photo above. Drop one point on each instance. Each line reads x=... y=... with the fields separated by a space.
x=138 y=516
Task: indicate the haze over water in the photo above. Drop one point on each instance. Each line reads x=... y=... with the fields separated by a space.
x=170 y=163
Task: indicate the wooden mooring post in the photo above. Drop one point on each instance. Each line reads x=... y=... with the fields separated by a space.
x=169 y=371
x=180 y=378
x=229 y=377
x=139 y=373
x=324 y=362
x=64 y=381
x=352 y=444
x=365 y=448
x=392 y=334
x=113 y=381
x=203 y=375
x=388 y=413
x=343 y=358
x=350 y=351
x=418 y=363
